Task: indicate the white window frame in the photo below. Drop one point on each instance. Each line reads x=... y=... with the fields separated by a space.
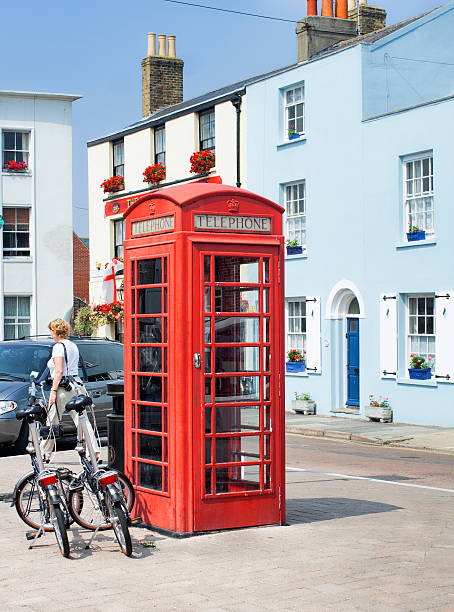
x=419 y=337
x=16 y=320
x=207 y=130
x=160 y=145
x=293 y=97
x=24 y=152
x=418 y=191
x=118 y=223
x=296 y=211
x=118 y=163
x=13 y=251
x=302 y=342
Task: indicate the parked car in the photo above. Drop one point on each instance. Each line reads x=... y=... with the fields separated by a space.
x=101 y=360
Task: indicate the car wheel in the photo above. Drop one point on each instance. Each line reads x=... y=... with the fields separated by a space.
x=21 y=443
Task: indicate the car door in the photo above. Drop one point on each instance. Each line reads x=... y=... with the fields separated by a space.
x=103 y=361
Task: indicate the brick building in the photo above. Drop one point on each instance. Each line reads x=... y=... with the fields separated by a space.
x=81 y=269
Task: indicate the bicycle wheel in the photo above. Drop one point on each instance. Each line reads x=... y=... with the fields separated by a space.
x=119 y=524
x=85 y=509
x=28 y=504
x=127 y=489
x=60 y=529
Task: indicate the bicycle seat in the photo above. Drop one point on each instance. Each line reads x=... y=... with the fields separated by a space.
x=79 y=403
x=34 y=412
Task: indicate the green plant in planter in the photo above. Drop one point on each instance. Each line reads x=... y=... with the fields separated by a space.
x=303 y=397
x=292 y=243
x=83 y=324
x=380 y=403
x=419 y=363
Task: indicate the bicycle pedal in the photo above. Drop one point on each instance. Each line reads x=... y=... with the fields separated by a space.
x=135 y=521
x=31 y=535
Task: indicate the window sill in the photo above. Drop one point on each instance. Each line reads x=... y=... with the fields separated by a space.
x=297 y=374
x=417 y=383
x=18 y=259
x=290 y=143
x=416 y=243
x=5 y=173
x=292 y=257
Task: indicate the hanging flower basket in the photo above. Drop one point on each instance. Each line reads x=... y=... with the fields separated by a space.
x=153 y=175
x=107 y=313
x=114 y=183
x=202 y=161
x=14 y=166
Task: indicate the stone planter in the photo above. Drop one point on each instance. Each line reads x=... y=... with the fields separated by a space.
x=376 y=413
x=303 y=406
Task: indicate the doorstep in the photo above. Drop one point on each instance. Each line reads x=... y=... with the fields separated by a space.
x=346 y=410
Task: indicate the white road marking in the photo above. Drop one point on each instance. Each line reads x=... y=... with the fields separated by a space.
x=391 y=482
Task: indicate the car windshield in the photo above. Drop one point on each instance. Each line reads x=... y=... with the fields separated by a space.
x=23 y=360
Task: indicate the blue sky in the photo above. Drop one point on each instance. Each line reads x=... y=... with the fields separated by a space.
x=95 y=48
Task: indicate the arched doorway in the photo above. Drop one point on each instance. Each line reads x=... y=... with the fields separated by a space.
x=345 y=308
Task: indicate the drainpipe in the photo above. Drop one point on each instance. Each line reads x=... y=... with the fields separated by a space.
x=236 y=101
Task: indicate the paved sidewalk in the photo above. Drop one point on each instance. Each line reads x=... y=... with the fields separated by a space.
x=392 y=434
x=351 y=545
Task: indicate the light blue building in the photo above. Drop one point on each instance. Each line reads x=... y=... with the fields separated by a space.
x=375 y=152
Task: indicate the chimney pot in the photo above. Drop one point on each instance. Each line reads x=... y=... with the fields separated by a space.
x=171 y=42
x=327 y=8
x=151 y=44
x=162 y=45
x=312 y=7
x=341 y=9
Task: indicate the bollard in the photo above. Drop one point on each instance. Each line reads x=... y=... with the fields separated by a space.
x=115 y=426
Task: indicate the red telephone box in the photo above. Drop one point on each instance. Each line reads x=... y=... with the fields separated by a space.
x=204 y=352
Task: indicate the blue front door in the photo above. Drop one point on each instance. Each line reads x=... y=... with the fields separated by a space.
x=353 y=362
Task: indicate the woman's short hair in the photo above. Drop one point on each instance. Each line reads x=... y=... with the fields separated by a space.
x=59 y=327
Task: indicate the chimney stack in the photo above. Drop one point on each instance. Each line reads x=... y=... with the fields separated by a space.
x=371 y=18
x=162 y=75
x=315 y=33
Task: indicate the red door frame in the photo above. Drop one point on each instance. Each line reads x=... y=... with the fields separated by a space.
x=227 y=510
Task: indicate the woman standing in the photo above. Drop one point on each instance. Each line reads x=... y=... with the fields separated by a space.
x=63 y=362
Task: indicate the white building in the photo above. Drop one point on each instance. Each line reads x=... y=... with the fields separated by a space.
x=36 y=271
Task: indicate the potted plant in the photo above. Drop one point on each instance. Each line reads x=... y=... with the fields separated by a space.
x=296 y=361
x=14 y=166
x=154 y=174
x=419 y=368
x=83 y=324
x=294 y=247
x=378 y=410
x=303 y=403
x=202 y=161
x=292 y=133
x=112 y=184
x=415 y=233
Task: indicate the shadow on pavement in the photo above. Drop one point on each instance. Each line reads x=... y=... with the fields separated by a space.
x=310 y=510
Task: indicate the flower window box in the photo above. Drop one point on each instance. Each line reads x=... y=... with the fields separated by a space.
x=202 y=161
x=113 y=184
x=16 y=167
x=154 y=174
